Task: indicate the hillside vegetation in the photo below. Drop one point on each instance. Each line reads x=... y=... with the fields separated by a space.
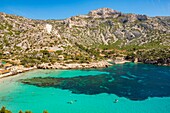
x=101 y=34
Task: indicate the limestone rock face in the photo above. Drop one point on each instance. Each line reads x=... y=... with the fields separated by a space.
x=48 y=28
x=103 y=26
x=104 y=12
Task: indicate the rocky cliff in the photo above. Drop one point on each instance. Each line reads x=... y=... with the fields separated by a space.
x=102 y=33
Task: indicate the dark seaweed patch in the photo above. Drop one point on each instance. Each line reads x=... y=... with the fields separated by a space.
x=130 y=81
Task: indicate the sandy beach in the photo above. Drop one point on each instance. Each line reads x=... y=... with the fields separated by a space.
x=11 y=73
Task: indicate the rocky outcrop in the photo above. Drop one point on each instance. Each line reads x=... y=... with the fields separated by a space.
x=100 y=64
x=104 y=27
x=101 y=26
x=104 y=13
x=165 y=61
x=48 y=28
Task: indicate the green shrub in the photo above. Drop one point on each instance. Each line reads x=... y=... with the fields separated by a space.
x=3 y=110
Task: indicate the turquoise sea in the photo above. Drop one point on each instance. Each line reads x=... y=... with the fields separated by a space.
x=139 y=88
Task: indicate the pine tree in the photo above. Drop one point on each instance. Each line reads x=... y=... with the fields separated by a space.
x=20 y=111
x=45 y=111
x=3 y=109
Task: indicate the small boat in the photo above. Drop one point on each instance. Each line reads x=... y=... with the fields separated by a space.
x=116 y=101
x=71 y=102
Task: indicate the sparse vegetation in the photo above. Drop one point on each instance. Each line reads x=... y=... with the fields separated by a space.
x=82 y=39
x=4 y=110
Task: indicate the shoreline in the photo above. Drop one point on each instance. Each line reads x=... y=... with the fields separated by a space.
x=122 y=62
x=100 y=64
x=12 y=73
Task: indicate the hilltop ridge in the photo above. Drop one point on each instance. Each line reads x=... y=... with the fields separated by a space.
x=101 y=34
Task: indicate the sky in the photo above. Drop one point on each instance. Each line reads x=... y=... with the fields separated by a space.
x=61 y=9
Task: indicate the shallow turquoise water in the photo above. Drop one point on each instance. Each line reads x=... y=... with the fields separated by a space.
x=16 y=96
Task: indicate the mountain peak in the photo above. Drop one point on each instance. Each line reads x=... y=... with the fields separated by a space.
x=103 y=12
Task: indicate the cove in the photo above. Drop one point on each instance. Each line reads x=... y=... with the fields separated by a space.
x=132 y=81
x=90 y=90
